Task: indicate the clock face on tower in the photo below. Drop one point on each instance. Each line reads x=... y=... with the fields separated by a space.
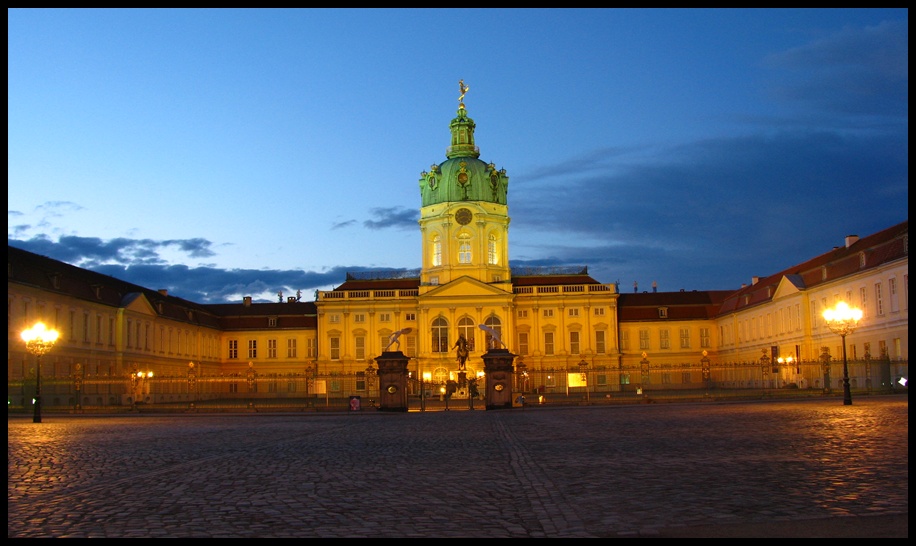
x=463 y=216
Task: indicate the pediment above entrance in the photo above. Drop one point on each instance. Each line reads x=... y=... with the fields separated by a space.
x=465 y=287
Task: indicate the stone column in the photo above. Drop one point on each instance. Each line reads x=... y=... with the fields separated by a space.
x=497 y=364
x=392 y=381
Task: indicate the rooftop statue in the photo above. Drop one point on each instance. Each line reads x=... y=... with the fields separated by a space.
x=463 y=89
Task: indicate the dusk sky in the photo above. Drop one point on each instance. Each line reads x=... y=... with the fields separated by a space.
x=230 y=153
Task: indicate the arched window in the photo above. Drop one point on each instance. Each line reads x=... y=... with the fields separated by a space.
x=494 y=323
x=440 y=335
x=492 y=253
x=464 y=248
x=437 y=251
x=466 y=328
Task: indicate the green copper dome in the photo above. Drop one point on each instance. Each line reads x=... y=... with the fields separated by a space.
x=463 y=176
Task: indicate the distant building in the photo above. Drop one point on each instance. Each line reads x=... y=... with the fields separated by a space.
x=560 y=322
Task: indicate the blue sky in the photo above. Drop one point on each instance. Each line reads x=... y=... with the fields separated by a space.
x=231 y=153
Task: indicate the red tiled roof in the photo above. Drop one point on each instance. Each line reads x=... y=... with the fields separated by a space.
x=547 y=280
x=679 y=305
x=880 y=248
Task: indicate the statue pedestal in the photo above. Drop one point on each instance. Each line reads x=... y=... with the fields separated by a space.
x=392 y=381
x=497 y=364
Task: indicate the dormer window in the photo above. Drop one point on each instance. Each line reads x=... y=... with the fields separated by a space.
x=662 y=312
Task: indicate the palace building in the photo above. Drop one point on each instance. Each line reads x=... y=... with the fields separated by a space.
x=565 y=328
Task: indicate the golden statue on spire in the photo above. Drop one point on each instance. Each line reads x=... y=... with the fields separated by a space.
x=463 y=89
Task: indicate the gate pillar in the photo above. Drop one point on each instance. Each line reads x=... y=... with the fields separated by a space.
x=392 y=381
x=497 y=364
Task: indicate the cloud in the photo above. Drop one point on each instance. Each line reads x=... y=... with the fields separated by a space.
x=853 y=72
x=393 y=217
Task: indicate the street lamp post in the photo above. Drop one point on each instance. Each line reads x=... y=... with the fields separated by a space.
x=644 y=370
x=704 y=363
x=583 y=371
x=192 y=384
x=842 y=320
x=425 y=378
x=38 y=341
x=370 y=376
x=78 y=386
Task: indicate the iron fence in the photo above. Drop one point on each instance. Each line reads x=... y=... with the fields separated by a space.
x=600 y=385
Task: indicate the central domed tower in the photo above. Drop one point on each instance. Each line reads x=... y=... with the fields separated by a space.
x=464 y=218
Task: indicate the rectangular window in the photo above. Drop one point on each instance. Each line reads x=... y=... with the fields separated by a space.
x=599 y=311
x=359 y=318
x=411 y=344
x=704 y=337
x=311 y=348
x=574 y=312
x=384 y=317
x=548 y=313
x=334 y=344
x=360 y=343
x=863 y=297
x=523 y=343
x=892 y=294
x=271 y=348
x=272 y=322
x=624 y=340
x=98 y=329
x=662 y=312
x=624 y=379
x=360 y=381
x=127 y=340
x=522 y=313
x=111 y=331
x=410 y=316
x=334 y=319
x=879 y=300
x=233 y=348
x=601 y=379
x=574 y=343
x=644 y=339
x=551 y=380
x=685 y=338
x=548 y=343
x=291 y=348
x=663 y=340
x=252 y=348
x=600 y=345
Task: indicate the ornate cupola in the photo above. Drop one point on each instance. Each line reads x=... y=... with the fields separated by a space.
x=464 y=216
